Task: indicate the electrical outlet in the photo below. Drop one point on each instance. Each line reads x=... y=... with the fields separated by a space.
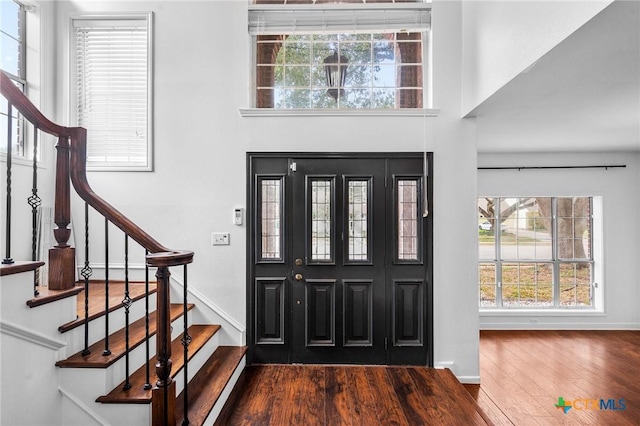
x=220 y=238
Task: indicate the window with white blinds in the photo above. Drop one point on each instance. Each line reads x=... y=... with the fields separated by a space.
x=112 y=70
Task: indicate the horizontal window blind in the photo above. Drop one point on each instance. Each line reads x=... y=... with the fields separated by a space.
x=288 y=19
x=112 y=97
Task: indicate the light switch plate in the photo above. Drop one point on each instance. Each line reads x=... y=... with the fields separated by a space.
x=220 y=239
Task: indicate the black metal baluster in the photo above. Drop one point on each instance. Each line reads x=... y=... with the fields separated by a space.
x=126 y=302
x=106 y=351
x=86 y=273
x=186 y=339
x=147 y=384
x=8 y=260
x=35 y=202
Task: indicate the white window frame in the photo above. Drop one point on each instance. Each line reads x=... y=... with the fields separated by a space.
x=332 y=18
x=21 y=81
x=115 y=20
x=597 y=284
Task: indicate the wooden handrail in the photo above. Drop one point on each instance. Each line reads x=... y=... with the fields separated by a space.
x=77 y=137
x=71 y=166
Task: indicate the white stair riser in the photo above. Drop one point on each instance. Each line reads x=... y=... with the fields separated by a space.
x=75 y=336
x=196 y=363
x=116 y=373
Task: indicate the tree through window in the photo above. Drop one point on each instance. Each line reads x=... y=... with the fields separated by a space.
x=535 y=252
x=380 y=47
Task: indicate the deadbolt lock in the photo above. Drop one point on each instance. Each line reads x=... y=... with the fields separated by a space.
x=298 y=262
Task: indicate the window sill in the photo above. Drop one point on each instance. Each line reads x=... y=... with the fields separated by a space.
x=585 y=312
x=21 y=161
x=338 y=112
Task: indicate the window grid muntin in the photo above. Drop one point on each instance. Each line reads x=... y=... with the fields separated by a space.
x=407 y=223
x=555 y=261
x=358 y=214
x=270 y=203
x=315 y=91
x=321 y=219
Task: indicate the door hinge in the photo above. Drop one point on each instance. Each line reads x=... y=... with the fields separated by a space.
x=386 y=343
x=293 y=166
x=385 y=181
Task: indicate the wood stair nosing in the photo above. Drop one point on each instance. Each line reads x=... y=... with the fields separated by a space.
x=19 y=266
x=79 y=321
x=117 y=343
x=48 y=296
x=136 y=394
x=208 y=384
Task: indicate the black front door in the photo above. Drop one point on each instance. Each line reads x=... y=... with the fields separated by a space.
x=339 y=260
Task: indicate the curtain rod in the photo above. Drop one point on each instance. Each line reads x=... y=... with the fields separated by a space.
x=613 y=166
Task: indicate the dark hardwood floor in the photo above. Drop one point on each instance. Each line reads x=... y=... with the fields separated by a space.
x=523 y=373
x=350 y=395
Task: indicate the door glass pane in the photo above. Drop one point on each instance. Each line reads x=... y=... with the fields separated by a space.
x=407 y=226
x=358 y=224
x=321 y=197
x=271 y=218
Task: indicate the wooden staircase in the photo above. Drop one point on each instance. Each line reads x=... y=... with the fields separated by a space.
x=213 y=369
x=108 y=333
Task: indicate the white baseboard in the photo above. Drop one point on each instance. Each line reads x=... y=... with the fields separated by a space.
x=83 y=407
x=469 y=380
x=240 y=331
x=560 y=326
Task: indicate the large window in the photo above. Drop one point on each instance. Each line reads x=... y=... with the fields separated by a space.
x=536 y=252
x=368 y=55
x=13 y=63
x=112 y=90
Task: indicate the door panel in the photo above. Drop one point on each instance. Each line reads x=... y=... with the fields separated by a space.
x=358 y=312
x=334 y=202
x=270 y=310
x=339 y=260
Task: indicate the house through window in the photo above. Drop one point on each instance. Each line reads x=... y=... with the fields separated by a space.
x=536 y=252
x=368 y=55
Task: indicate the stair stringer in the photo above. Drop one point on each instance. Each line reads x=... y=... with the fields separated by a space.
x=224 y=396
x=232 y=333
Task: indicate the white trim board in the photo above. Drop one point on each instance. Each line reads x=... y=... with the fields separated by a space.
x=20 y=332
x=241 y=337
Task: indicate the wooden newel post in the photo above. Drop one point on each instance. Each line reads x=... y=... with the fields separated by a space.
x=164 y=393
x=62 y=256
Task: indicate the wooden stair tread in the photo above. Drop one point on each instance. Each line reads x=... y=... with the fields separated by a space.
x=47 y=295
x=137 y=291
x=19 y=266
x=137 y=394
x=207 y=385
x=117 y=343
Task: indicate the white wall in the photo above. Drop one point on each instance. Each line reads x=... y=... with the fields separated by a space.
x=502 y=38
x=618 y=188
x=203 y=72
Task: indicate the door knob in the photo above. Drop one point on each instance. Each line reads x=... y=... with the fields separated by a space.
x=298 y=277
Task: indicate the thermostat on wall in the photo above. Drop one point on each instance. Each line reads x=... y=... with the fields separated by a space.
x=237 y=216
